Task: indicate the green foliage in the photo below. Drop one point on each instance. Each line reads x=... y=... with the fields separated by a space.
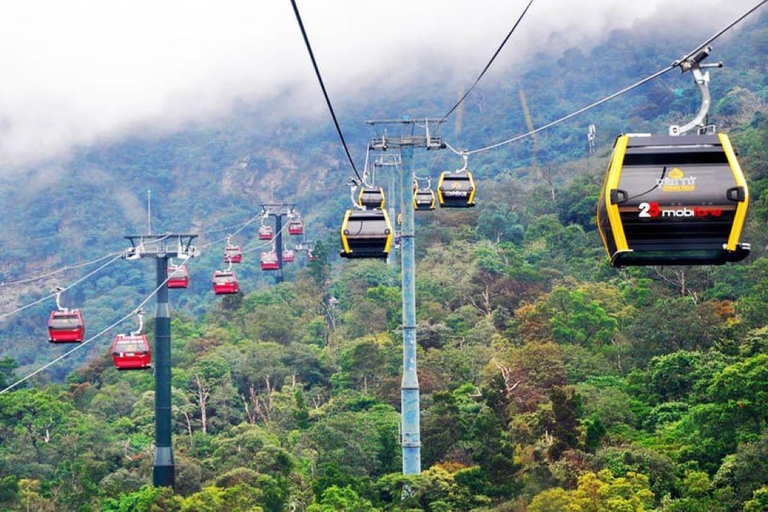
x=596 y=492
x=548 y=379
x=341 y=499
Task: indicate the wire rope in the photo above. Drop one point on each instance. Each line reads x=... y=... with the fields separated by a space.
x=721 y=32
x=57 y=271
x=614 y=95
x=322 y=86
x=265 y=244
x=86 y=342
x=88 y=275
x=487 y=66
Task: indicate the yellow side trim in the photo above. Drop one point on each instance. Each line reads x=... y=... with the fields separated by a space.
x=440 y=188
x=471 y=184
x=743 y=206
x=383 y=197
x=611 y=183
x=434 y=200
x=390 y=236
x=597 y=215
x=344 y=241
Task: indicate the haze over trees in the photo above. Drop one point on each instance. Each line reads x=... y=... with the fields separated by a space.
x=549 y=380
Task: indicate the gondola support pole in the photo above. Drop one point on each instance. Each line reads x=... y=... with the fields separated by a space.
x=162 y=248
x=410 y=422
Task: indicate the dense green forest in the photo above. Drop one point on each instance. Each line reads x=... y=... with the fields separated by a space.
x=549 y=380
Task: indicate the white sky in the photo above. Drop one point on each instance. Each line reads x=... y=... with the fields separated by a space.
x=85 y=71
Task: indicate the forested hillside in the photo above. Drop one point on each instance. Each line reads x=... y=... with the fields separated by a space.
x=550 y=381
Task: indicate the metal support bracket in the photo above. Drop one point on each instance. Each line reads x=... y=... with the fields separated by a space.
x=702 y=81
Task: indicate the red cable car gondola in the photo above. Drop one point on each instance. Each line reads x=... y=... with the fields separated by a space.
x=233 y=254
x=225 y=282
x=131 y=352
x=178 y=276
x=265 y=232
x=269 y=261
x=295 y=227
x=66 y=326
x=289 y=256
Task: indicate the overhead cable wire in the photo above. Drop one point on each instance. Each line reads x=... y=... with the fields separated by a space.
x=322 y=86
x=221 y=230
x=265 y=244
x=87 y=276
x=573 y=114
x=57 y=271
x=246 y=224
x=721 y=32
x=606 y=99
x=487 y=66
x=86 y=342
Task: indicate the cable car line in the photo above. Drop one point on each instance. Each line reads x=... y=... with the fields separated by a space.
x=572 y=114
x=63 y=289
x=606 y=99
x=487 y=66
x=322 y=86
x=720 y=33
x=246 y=224
x=228 y=228
x=265 y=244
x=86 y=342
x=62 y=269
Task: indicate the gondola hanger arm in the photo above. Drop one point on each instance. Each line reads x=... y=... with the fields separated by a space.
x=58 y=290
x=465 y=156
x=140 y=315
x=701 y=79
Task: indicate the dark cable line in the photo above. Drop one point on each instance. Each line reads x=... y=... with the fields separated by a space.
x=718 y=34
x=576 y=113
x=487 y=66
x=606 y=99
x=322 y=86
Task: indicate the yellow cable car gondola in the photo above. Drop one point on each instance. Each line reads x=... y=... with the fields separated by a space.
x=424 y=199
x=456 y=190
x=366 y=234
x=673 y=200
x=371 y=197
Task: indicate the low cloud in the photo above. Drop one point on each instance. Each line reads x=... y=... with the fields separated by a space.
x=87 y=71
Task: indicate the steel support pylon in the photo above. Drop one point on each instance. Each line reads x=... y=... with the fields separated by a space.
x=409 y=390
x=163 y=473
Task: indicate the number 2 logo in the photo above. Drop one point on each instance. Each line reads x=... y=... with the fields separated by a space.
x=649 y=210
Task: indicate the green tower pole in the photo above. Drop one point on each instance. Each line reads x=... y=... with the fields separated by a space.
x=163 y=471
x=409 y=389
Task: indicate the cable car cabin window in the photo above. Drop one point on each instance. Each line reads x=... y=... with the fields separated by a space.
x=65 y=322
x=178 y=272
x=673 y=201
x=366 y=234
x=456 y=190
x=295 y=228
x=371 y=228
x=224 y=278
x=129 y=345
x=371 y=197
x=424 y=200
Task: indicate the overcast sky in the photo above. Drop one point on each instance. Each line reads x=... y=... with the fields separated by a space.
x=86 y=71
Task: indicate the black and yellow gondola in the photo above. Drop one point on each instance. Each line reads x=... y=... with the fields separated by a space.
x=424 y=199
x=366 y=234
x=371 y=197
x=673 y=201
x=456 y=190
